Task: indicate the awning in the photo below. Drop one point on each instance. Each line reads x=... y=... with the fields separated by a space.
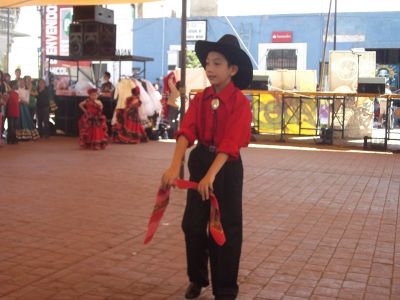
x=102 y=58
x=21 y=3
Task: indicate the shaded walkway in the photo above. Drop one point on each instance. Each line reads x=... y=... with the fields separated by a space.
x=318 y=225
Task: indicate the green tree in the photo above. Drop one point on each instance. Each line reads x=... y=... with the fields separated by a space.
x=191 y=60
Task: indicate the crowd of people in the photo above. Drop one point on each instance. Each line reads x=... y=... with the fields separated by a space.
x=25 y=108
x=142 y=112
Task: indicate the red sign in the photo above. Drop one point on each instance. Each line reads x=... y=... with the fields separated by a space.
x=282 y=37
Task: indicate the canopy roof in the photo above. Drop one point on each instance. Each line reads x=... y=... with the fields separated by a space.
x=20 y=3
x=102 y=58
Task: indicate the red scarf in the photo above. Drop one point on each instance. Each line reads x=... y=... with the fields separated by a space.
x=162 y=200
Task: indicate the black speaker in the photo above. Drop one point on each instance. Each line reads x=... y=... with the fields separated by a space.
x=91 y=13
x=258 y=85
x=90 y=38
x=108 y=40
x=260 y=82
x=373 y=85
x=370 y=88
x=67 y=115
x=99 y=39
x=75 y=39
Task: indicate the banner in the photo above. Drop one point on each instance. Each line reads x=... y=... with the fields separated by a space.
x=55 y=38
x=269 y=118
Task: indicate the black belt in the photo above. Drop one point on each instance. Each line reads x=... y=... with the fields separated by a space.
x=210 y=148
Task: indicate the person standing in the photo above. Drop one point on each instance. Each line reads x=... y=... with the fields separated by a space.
x=31 y=88
x=2 y=105
x=106 y=86
x=170 y=108
x=7 y=81
x=2 y=102
x=219 y=118
x=12 y=114
x=123 y=90
x=17 y=74
x=5 y=87
x=26 y=129
x=42 y=108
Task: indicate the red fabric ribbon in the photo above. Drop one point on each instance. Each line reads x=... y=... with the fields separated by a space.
x=162 y=200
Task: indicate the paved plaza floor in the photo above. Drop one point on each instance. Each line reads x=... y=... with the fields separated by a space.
x=318 y=224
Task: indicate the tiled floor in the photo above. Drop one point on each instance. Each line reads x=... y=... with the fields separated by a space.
x=317 y=224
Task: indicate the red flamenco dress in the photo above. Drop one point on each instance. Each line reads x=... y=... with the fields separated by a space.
x=93 y=127
x=128 y=128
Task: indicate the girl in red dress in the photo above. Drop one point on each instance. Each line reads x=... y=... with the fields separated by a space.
x=128 y=128
x=92 y=124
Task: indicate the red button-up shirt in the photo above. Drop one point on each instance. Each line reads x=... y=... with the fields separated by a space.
x=13 y=105
x=228 y=127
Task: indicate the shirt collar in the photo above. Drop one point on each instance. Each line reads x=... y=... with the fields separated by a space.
x=223 y=95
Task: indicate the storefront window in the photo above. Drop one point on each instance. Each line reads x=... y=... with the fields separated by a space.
x=282 y=59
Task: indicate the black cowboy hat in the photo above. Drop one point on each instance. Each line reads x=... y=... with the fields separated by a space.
x=228 y=45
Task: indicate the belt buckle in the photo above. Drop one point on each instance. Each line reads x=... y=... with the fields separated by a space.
x=212 y=148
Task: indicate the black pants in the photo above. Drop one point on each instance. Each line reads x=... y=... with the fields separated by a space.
x=32 y=111
x=200 y=246
x=173 y=114
x=43 y=115
x=12 y=124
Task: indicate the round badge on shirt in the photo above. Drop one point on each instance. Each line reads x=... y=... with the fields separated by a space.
x=215 y=104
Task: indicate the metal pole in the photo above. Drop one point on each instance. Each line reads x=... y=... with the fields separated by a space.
x=334 y=27
x=258 y=113
x=318 y=102
x=162 y=44
x=301 y=107
x=183 y=60
x=388 y=122
x=42 y=43
x=322 y=73
x=8 y=42
x=333 y=112
x=98 y=75
x=344 y=115
x=282 y=118
x=182 y=88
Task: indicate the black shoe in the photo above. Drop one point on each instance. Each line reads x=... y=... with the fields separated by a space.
x=193 y=291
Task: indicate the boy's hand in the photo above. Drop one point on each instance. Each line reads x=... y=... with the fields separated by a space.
x=169 y=177
x=205 y=186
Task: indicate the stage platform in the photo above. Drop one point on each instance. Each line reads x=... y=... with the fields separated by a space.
x=319 y=223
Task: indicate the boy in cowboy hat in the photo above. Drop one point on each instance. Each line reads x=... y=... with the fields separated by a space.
x=219 y=118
